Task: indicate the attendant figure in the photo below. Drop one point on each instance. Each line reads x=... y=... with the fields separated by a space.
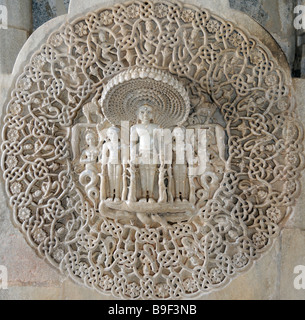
x=111 y=160
x=89 y=177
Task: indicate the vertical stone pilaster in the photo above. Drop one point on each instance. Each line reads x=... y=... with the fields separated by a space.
x=12 y=39
x=18 y=30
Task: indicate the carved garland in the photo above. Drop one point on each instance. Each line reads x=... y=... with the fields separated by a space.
x=212 y=58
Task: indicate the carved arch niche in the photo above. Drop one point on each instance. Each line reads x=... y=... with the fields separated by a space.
x=217 y=75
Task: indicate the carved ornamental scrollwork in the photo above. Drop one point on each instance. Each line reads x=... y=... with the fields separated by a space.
x=196 y=224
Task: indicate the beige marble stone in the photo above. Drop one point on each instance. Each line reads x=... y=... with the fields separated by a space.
x=37 y=38
x=218 y=7
x=29 y=292
x=297 y=219
x=292 y=255
x=24 y=267
x=73 y=291
x=267 y=279
x=261 y=282
x=19 y=14
x=12 y=41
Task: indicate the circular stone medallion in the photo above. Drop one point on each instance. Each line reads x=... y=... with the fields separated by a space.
x=206 y=75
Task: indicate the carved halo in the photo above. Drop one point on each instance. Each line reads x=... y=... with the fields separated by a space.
x=127 y=91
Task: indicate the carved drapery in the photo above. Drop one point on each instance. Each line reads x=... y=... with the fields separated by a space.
x=214 y=60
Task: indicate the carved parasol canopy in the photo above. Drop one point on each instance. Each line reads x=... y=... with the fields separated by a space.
x=126 y=92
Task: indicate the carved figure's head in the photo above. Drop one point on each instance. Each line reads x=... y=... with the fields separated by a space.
x=91 y=138
x=113 y=134
x=179 y=133
x=145 y=114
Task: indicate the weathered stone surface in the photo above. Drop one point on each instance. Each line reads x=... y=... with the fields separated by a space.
x=19 y=14
x=297 y=219
x=73 y=291
x=31 y=293
x=276 y=16
x=123 y=212
x=292 y=255
x=12 y=41
x=259 y=283
x=23 y=265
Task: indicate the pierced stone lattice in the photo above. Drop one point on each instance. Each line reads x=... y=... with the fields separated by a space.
x=208 y=55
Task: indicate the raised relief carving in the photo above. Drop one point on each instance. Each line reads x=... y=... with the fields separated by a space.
x=167 y=167
x=151 y=150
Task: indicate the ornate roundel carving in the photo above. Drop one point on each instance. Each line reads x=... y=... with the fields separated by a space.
x=197 y=223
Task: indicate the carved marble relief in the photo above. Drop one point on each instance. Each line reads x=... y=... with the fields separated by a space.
x=151 y=150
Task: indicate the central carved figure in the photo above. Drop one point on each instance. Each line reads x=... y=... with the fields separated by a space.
x=161 y=167
x=143 y=148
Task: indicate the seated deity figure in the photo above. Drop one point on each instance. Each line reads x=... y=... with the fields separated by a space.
x=89 y=177
x=180 y=170
x=111 y=160
x=143 y=147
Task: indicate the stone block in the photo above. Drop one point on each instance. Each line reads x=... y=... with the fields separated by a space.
x=19 y=14
x=293 y=254
x=73 y=291
x=78 y=6
x=297 y=219
x=276 y=17
x=259 y=283
x=11 y=41
x=23 y=265
x=31 y=293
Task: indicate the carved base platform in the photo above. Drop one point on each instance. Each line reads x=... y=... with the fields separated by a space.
x=153 y=208
x=147 y=212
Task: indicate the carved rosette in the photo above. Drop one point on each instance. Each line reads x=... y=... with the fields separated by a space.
x=211 y=57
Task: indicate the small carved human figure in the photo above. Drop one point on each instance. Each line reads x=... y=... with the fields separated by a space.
x=89 y=158
x=111 y=160
x=179 y=165
x=220 y=138
x=143 y=147
x=164 y=157
x=92 y=108
x=106 y=50
x=202 y=151
x=149 y=36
